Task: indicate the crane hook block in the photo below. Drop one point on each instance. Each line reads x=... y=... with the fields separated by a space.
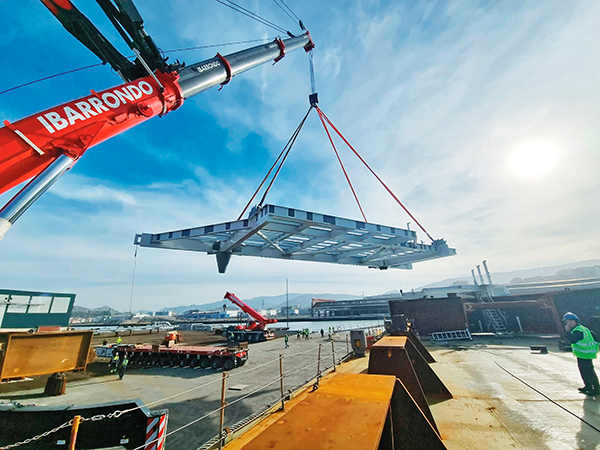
x=313 y=99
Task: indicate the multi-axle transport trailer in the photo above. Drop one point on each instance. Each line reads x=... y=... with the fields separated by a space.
x=193 y=356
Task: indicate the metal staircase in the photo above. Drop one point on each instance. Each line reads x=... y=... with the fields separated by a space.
x=495 y=319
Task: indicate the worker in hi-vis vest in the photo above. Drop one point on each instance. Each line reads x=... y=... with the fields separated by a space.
x=584 y=344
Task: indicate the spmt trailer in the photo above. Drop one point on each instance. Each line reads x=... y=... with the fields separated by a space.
x=205 y=357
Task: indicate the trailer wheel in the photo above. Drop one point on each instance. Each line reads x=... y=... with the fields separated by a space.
x=193 y=361
x=227 y=364
x=183 y=361
x=216 y=363
x=240 y=362
x=204 y=362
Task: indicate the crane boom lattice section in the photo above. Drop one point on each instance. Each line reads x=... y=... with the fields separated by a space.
x=285 y=233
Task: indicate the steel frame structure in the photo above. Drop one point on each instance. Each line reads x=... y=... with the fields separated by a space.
x=285 y=233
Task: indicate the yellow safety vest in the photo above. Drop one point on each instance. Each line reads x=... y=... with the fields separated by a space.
x=587 y=348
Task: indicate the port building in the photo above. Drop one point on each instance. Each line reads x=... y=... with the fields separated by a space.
x=30 y=310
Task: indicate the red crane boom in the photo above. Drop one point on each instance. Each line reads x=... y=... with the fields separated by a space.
x=47 y=144
x=260 y=322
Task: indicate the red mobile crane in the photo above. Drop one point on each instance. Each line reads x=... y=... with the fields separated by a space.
x=45 y=145
x=254 y=331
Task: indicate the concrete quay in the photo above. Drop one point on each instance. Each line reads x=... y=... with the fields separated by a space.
x=491 y=408
x=300 y=362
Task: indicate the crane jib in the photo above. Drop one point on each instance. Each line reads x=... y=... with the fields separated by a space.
x=43 y=146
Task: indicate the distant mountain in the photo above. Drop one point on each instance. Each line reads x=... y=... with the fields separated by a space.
x=269 y=302
x=581 y=269
x=80 y=311
x=567 y=274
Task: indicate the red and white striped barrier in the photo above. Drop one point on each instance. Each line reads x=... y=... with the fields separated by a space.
x=155 y=432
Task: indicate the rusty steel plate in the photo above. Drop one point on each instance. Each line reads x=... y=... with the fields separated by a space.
x=391 y=341
x=347 y=412
x=26 y=355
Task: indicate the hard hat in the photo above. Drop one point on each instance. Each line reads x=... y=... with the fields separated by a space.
x=570 y=316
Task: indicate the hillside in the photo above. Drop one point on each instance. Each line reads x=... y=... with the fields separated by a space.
x=581 y=269
x=269 y=302
x=80 y=311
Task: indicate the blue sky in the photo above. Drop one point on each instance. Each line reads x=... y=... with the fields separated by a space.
x=438 y=97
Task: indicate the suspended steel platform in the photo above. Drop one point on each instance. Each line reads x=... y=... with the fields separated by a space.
x=286 y=233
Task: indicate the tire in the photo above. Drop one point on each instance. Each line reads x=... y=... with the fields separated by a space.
x=204 y=362
x=241 y=362
x=193 y=361
x=228 y=364
x=215 y=363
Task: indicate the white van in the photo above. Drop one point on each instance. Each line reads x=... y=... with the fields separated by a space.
x=163 y=326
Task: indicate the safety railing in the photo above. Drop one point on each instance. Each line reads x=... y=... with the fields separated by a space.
x=325 y=361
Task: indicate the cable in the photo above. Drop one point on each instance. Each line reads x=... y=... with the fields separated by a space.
x=220 y=408
x=218 y=45
x=548 y=398
x=284 y=153
x=171 y=396
x=293 y=140
x=49 y=77
x=253 y=368
x=297 y=18
x=228 y=404
x=288 y=14
x=342 y=164
x=131 y=57
x=306 y=351
x=250 y=14
x=198 y=387
x=133 y=277
x=374 y=174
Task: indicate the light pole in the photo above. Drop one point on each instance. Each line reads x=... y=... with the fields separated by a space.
x=287 y=306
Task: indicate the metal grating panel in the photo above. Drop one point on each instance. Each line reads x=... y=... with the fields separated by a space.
x=285 y=233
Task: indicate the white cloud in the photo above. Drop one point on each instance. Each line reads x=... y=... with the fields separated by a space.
x=92 y=193
x=435 y=97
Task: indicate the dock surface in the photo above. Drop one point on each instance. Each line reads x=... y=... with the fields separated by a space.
x=491 y=408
